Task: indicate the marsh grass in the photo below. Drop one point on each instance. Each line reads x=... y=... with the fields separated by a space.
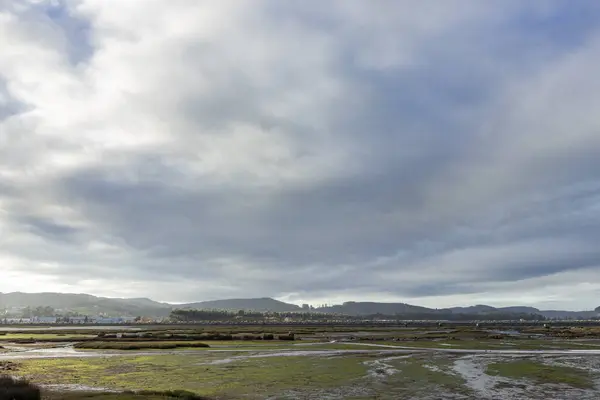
x=542 y=373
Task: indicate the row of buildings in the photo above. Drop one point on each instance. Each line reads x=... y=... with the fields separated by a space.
x=71 y=320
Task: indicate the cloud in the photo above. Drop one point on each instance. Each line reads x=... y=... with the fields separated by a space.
x=258 y=148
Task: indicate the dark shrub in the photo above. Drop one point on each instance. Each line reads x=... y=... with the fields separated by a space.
x=268 y=336
x=285 y=337
x=16 y=389
x=137 y=345
x=178 y=394
x=24 y=341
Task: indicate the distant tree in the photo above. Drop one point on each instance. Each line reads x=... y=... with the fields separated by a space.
x=597 y=309
x=41 y=311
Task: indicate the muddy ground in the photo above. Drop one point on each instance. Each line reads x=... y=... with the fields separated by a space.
x=439 y=364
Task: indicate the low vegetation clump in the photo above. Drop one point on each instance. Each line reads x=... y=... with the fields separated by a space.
x=285 y=337
x=138 y=345
x=18 y=389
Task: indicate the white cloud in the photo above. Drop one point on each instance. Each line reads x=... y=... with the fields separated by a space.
x=266 y=148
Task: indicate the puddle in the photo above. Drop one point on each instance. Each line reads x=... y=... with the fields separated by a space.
x=473 y=370
x=380 y=368
x=78 y=388
x=473 y=373
x=386 y=346
x=433 y=368
x=510 y=332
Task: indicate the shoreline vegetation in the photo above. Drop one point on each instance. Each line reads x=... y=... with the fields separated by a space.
x=138 y=345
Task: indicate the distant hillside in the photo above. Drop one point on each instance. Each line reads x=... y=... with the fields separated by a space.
x=558 y=314
x=552 y=314
x=478 y=309
x=524 y=310
x=92 y=305
x=85 y=303
x=261 y=304
x=371 y=308
x=482 y=309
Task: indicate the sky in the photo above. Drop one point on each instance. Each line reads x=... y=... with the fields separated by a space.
x=437 y=153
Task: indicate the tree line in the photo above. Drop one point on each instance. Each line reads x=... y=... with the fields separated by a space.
x=194 y=315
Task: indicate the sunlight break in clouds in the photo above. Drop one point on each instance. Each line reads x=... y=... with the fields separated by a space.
x=432 y=151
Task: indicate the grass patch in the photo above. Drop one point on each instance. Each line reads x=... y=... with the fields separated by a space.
x=542 y=373
x=10 y=336
x=43 y=337
x=261 y=377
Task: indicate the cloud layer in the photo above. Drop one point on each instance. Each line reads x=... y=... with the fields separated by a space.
x=431 y=152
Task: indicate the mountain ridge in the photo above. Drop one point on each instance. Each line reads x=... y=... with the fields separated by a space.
x=86 y=303
x=252 y=304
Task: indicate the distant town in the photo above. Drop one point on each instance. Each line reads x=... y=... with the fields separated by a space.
x=49 y=315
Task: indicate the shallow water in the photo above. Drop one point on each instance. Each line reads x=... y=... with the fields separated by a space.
x=472 y=369
x=79 y=388
x=490 y=351
x=67 y=351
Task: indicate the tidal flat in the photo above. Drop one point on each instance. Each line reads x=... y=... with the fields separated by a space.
x=391 y=364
